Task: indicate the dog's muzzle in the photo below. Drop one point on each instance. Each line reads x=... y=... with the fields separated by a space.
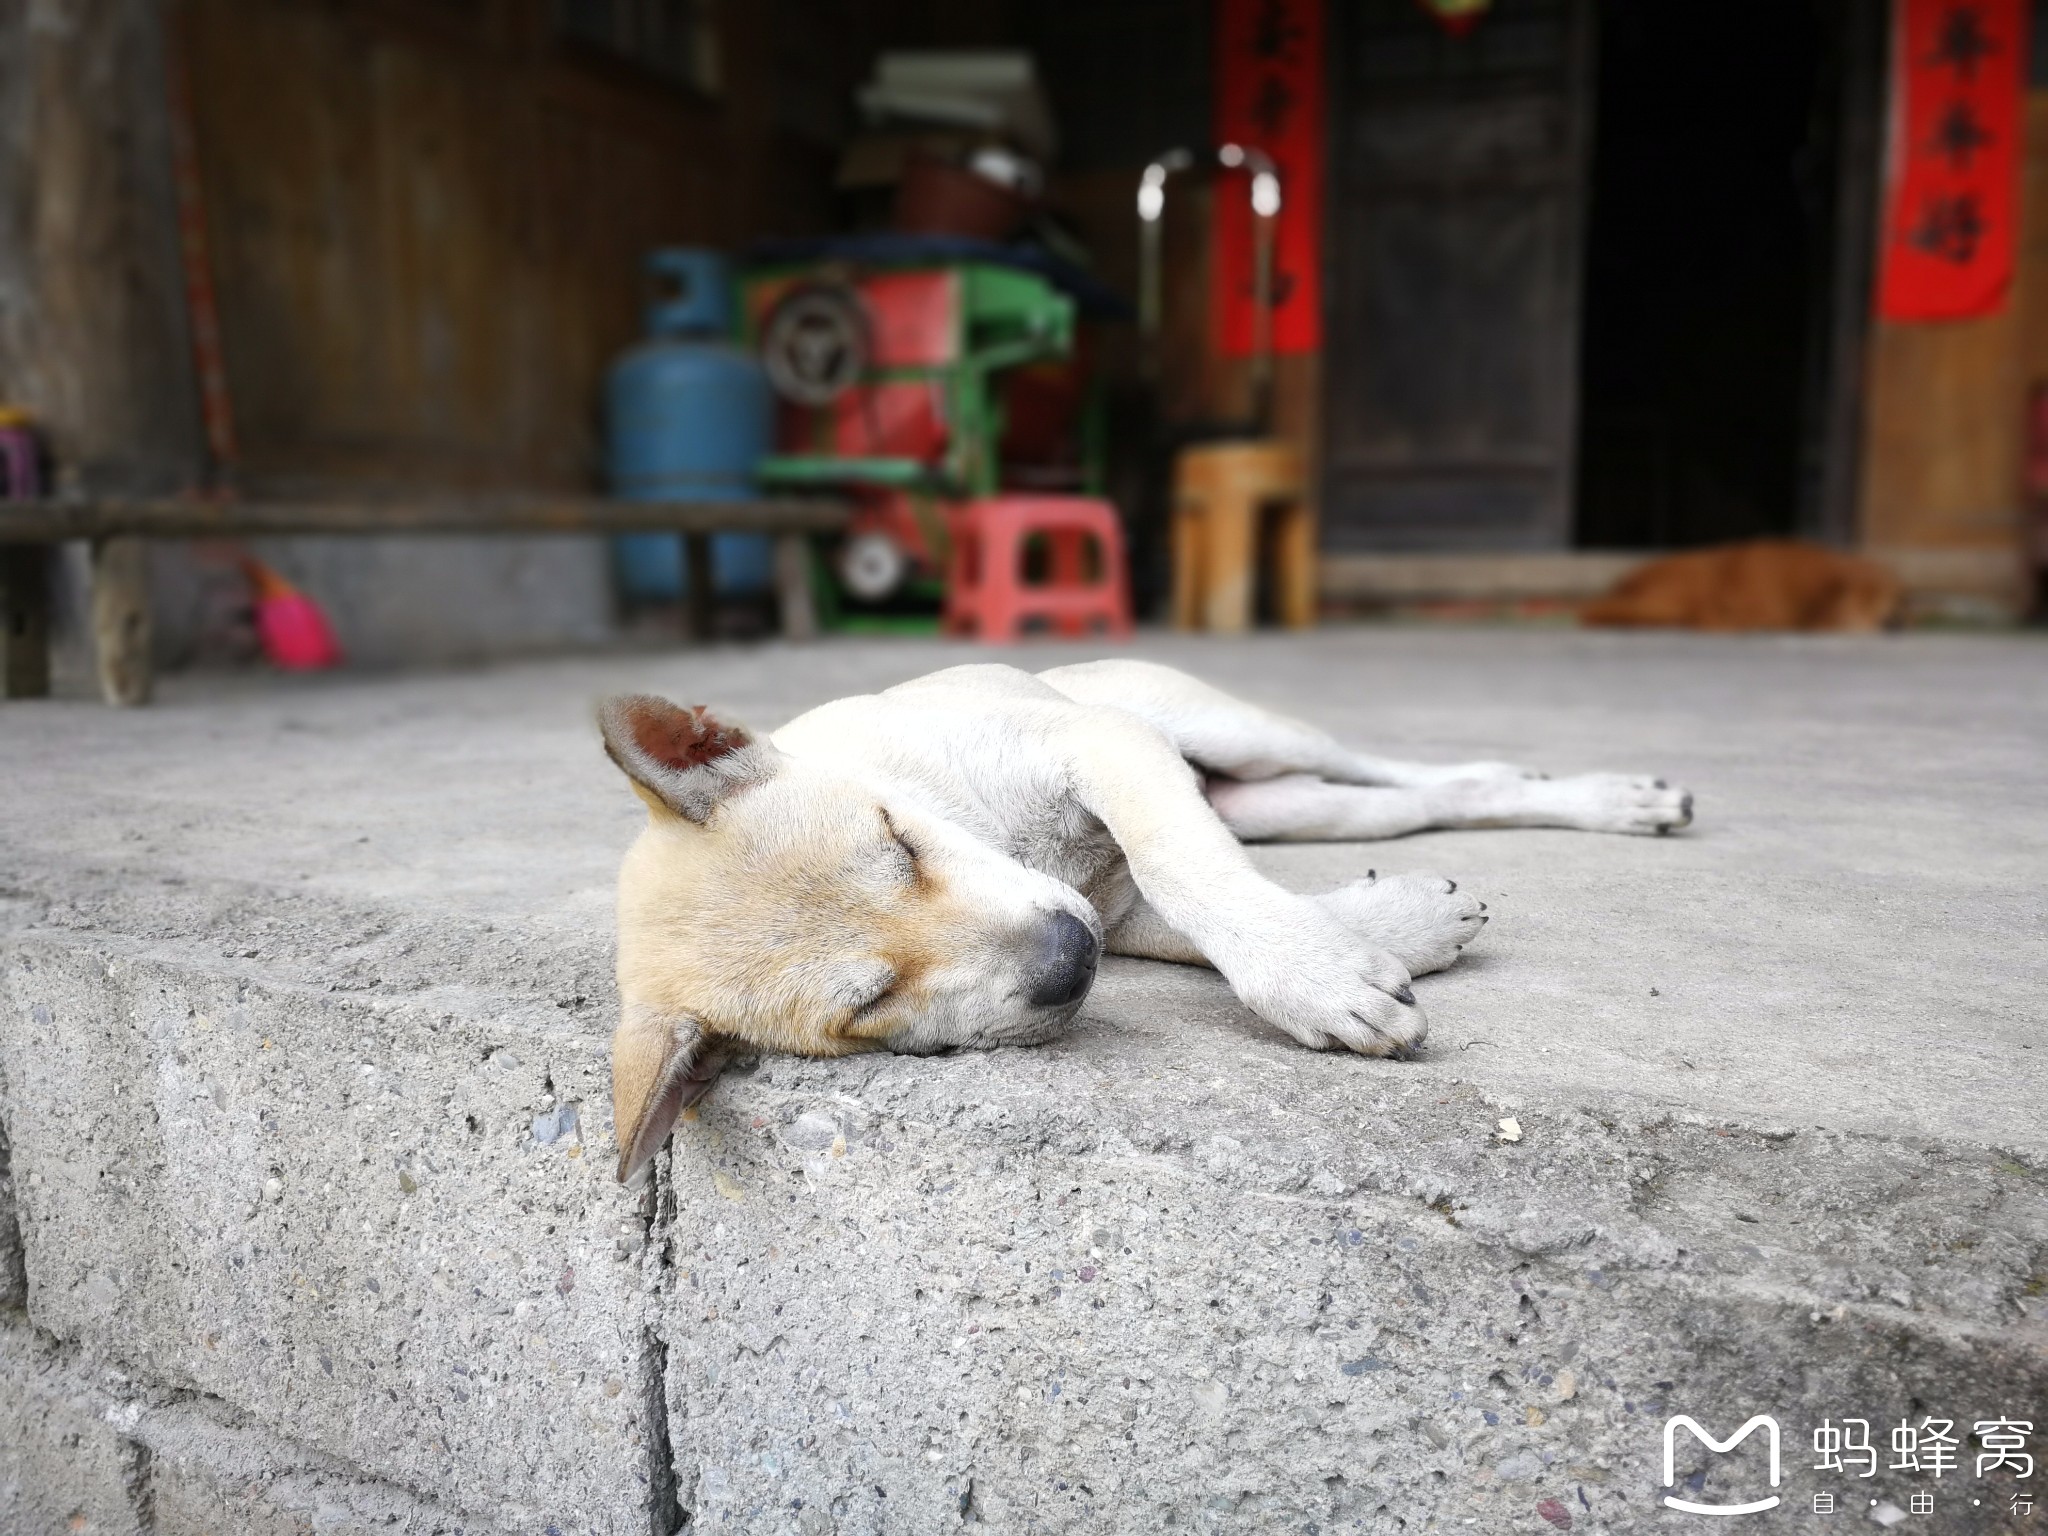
x=1063 y=968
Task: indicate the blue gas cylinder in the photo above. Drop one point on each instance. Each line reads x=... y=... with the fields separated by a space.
x=688 y=416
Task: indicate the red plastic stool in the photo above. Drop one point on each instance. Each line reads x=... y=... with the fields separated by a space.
x=986 y=591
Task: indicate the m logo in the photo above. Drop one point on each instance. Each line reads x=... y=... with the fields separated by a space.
x=1770 y=1428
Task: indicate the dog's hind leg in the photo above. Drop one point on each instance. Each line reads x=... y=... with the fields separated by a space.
x=1302 y=808
x=1224 y=735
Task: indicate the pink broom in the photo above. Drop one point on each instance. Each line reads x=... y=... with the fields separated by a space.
x=294 y=632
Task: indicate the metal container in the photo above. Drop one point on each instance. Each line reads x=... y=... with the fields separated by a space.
x=688 y=417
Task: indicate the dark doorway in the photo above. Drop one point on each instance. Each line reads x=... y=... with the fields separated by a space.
x=1457 y=192
x=1710 y=269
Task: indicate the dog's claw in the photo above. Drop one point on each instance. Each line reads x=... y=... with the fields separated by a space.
x=1393 y=1049
x=1405 y=994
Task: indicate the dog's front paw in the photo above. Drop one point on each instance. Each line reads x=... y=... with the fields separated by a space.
x=1422 y=920
x=1335 y=991
x=1618 y=802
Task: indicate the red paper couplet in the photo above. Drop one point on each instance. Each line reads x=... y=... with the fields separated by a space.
x=1270 y=96
x=1952 y=165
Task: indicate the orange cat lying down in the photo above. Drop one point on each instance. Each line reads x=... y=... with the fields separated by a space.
x=1762 y=584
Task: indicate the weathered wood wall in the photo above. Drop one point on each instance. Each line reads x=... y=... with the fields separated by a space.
x=1944 y=425
x=92 y=332
x=427 y=220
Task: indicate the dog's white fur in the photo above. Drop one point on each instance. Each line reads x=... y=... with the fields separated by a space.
x=1117 y=792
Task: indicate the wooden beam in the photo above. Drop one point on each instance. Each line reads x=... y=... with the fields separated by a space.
x=24 y=621
x=1497 y=578
x=95 y=342
x=697 y=588
x=793 y=587
x=46 y=521
x=120 y=619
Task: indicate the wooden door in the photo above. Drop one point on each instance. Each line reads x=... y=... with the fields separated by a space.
x=1458 y=168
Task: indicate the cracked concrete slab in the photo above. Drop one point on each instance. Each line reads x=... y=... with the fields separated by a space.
x=62 y=1466
x=91 y=1450
x=13 y=1273
x=338 y=1216
x=1778 y=1081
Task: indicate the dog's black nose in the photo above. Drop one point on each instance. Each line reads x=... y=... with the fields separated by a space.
x=1064 y=967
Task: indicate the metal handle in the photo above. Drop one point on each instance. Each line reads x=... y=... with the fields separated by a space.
x=689 y=292
x=1265 y=203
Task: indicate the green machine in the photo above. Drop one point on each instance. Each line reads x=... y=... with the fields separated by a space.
x=912 y=385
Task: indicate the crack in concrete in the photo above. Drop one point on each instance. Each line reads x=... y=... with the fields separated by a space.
x=667 y=1513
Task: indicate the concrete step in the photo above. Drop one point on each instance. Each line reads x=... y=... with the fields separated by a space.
x=87 y=1449
x=305 y=1003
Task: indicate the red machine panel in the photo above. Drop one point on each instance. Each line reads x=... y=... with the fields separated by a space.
x=895 y=419
x=916 y=316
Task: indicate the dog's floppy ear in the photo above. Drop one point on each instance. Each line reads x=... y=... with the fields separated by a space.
x=681 y=761
x=660 y=1067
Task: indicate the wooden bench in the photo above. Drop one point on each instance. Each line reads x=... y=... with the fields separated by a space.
x=119 y=530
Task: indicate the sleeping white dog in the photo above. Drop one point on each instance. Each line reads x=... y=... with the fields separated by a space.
x=941 y=864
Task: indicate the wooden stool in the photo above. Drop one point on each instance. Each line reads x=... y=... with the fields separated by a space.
x=1219 y=492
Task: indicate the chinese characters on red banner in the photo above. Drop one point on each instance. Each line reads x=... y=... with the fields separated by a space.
x=1958 y=77
x=1270 y=96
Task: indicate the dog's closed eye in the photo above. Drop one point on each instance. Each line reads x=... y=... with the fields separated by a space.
x=875 y=1003
x=880 y=996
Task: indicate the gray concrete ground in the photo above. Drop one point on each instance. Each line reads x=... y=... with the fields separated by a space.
x=302 y=1081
